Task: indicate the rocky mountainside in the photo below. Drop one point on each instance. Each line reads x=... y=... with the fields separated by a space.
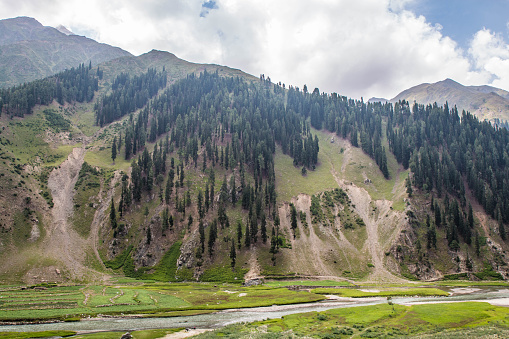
x=157 y=168
x=485 y=102
x=29 y=51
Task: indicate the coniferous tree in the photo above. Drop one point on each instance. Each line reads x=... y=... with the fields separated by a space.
x=114 y=149
x=263 y=227
x=113 y=216
x=212 y=237
x=239 y=233
x=201 y=212
x=409 y=189
x=233 y=254
x=201 y=231
x=168 y=191
x=293 y=218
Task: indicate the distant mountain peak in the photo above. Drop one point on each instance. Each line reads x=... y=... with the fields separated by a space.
x=374 y=99
x=63 y=29
x=485 y=102
x=23 y=20
x=28 y=50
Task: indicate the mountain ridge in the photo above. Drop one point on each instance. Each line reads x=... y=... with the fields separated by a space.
x=486 y=102
x=124 y=195
x=30 y=51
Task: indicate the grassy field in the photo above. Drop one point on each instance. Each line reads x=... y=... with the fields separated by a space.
x=380 y=321
x=307 y=283
x=391 y=292
x=143 y=334
x=153 y=299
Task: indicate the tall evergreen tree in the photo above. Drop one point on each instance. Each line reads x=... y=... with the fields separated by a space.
x=113 y=216
x=114 y=149
x=233 y=254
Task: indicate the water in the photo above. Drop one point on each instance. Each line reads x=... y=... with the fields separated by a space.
x=227 y=317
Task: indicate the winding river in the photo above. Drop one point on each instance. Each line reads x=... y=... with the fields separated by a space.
x=495 y=296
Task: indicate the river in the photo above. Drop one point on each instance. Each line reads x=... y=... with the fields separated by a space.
x=495 y=296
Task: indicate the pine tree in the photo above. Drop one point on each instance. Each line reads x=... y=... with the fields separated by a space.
x=207 y=197
x=201 y=212
x=470 y=217
x=233 y=254
x=201 y=230
x=114 y=149
x=212 y=237
x=239 y=233
x=234 y=190
x=113 y=217
x=263 y=228
x=149 y=235
x=168 y=191
x=477 y=244
x=293 y=214
x=409 y=189
x=165 y=219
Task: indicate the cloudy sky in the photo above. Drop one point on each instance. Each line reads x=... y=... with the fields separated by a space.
x=355 y=48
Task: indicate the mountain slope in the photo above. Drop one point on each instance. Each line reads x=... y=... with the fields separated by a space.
x=485 y=102
x=29 y=51
x=194 y=160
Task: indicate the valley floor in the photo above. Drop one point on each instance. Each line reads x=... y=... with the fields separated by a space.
x=447 y=309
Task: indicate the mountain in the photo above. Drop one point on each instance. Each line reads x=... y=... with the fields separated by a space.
x=154 y=167
x=371 y=100
x=29 y=51
x=63 y=29
x=485 y=102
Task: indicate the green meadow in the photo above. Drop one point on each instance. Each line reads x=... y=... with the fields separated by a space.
x=445 y=320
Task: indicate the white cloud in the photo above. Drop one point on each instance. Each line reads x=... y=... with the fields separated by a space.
x=356 y=48
x=490 y=54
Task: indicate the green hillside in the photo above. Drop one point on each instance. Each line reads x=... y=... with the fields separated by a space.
x=152 y=167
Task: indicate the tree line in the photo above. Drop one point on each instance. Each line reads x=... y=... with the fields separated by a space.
x=73 y=85
x=129 y=93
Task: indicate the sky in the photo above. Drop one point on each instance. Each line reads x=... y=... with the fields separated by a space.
x=361 y=48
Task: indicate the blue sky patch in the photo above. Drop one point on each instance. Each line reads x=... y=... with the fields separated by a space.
x=206 y=7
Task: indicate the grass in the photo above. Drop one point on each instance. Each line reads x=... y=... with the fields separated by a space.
x=150 y=298
x=456 y=283
x=42 y=334
x=354 y=293
x=379 y=321
x=224 y=274
x=27 y=143
x=307 y=283
x=289 y=180
x=102 y=158
x=142 y=334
